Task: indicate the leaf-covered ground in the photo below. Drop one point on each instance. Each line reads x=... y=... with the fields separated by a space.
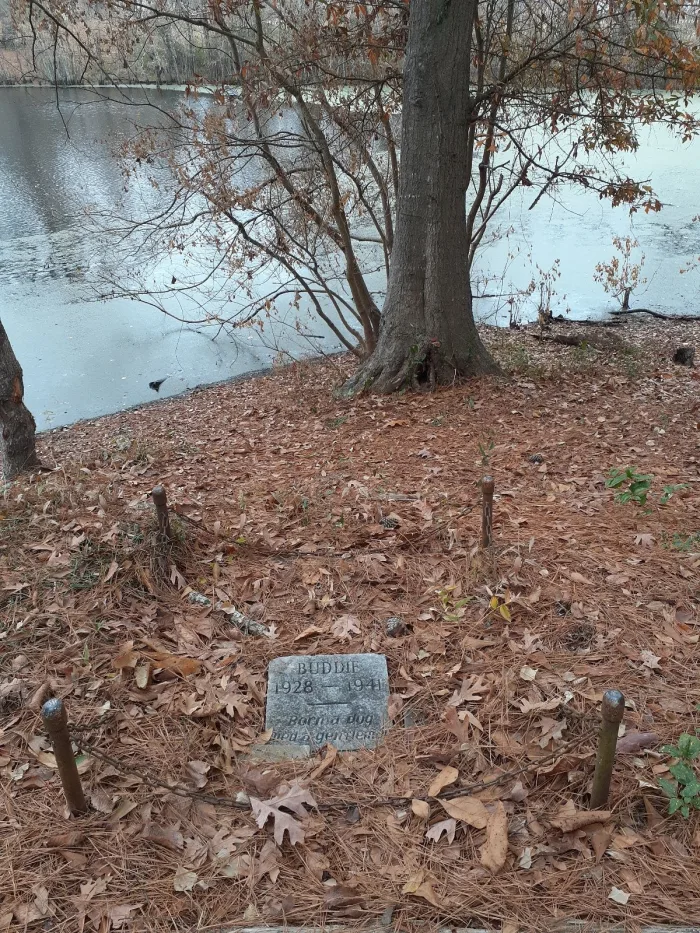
x=318 y=520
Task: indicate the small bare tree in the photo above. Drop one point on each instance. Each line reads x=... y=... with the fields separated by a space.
x=622 y=275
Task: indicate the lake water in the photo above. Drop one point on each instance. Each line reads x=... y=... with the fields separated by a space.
x=83 y=357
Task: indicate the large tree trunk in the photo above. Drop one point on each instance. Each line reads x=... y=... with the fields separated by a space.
x=16 y=421
x=427 y=331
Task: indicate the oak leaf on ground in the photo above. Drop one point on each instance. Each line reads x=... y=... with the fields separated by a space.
x=346 y=626
x=184 y=880
x=166 y=836
x=448 y=827
x=292 y=799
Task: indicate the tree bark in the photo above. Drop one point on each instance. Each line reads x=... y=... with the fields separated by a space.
x=427 y=332
x=17 y=445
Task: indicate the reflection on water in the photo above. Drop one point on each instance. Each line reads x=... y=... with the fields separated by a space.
x=80 y=357
x=83 y=358
x=579 y=228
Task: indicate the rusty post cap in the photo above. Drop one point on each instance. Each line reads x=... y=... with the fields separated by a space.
x=54 y=716
x=613 y=708
x=159 y=496
x=487 y=485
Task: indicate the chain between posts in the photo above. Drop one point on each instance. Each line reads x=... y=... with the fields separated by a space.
x=244 y=804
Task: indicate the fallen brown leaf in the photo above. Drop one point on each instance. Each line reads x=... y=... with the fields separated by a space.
x=421 y=809
x=419 y=886
x=308 y=632
x=166 y=836
x=448 y=827
x=328 y=761
x=495 y=850
x=446 y=777
x=176 y=663
x=294 y=799
x=127 y=657
x=634 y=742
x=66 y=840
x=345 y=627
x=467 y=809
x=568 y=821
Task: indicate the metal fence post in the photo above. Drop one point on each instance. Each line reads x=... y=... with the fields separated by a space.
x=160 y=500
x=487 y=487
x=55 y=719
x=613 y=710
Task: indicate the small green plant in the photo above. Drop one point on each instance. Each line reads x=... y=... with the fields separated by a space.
x=630 y=485
x=685 y=543
x=453 y=606
x=499 y=604
x=684 y=792
x=518 y=359
x=670 y=490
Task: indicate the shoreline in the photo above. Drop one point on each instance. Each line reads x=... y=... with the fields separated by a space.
x=559 y=326
x=251 y=375
x=150 y=85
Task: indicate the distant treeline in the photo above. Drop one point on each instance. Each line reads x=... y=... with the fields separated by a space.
x=171 y=56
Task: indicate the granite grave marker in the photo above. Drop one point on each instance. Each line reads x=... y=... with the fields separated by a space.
x=336 y=698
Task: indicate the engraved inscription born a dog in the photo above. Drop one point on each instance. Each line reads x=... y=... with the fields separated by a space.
x=336 y=698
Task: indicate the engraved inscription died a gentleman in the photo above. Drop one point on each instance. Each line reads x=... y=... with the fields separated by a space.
x=336 y=698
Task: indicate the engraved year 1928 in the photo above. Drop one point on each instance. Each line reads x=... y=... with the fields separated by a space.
x=294 y=686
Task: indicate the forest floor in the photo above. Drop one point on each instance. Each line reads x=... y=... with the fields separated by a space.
x=320 y=519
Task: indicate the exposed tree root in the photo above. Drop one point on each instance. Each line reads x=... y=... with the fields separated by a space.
x=421 y=367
